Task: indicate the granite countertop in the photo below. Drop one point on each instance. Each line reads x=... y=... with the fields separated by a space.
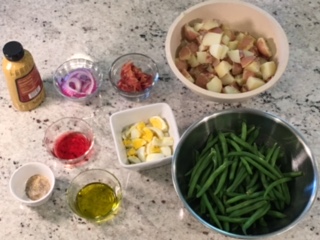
x=54 y=31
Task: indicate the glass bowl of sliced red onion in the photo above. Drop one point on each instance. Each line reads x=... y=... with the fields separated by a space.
x=78 y=79
x=133 y=76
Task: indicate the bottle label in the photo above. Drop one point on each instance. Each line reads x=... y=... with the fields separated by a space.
x=29 y=86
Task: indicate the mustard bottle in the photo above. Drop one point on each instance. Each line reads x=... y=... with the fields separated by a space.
x=23 y=79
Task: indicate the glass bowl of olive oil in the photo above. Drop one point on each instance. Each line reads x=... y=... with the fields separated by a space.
x=95 y=195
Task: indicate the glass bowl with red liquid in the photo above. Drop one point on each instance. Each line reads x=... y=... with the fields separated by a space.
x=133 y=76
x=78 y=79
x=70 y=140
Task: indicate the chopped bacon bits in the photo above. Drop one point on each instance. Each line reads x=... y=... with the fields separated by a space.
x=133 y=79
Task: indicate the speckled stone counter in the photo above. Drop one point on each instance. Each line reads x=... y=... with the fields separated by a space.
x=54 y=31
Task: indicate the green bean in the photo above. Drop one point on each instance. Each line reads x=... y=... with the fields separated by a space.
x=226 y=226
x=292 y=174
x=212 y=177
x=218 y=203
x=278 y=194
x=231 y=220
x=202 y=206
x=248 y=209
x=244 y=197
x=218 y=154
x=196 y=163
x=255 y=216
x=244 y=204
x=204 y=177
x=246 y=165
x=221 y=182
x=286 y=193
x=250 y=130
x=263 y=222
x=275 y=156
x=223 y=143
x=253 y=180
x=281 y=205
x=198 y=171
x=211 y=211
x=275 y=174
x=233 y=168
x=238 y=149
x=242 y=143
x=233 y=194
x=270 y=152
x=209 y=145
x=244 y=131
x=238 y=180
x=254 y=188
x=276 y=214
x=253 y=136
x=275 y=183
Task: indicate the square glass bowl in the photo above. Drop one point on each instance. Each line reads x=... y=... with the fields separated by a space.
x=78 y=79
x=122 y=66
x=120 y=120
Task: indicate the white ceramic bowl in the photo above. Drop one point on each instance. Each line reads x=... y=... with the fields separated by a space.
x=239 y=16
x=120 y=120
x=20 y=177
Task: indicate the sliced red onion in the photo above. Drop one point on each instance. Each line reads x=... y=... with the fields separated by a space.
x=78 y=83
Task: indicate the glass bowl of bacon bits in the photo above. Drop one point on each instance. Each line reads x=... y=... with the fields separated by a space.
x=133 y=76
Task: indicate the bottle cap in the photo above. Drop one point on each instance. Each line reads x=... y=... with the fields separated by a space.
x=13 y=51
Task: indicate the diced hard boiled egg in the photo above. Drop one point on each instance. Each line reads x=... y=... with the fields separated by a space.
x=165 y=141
x=140 y=126
x=166 y=151
x=159 y=123
x=157 y=131
x=152 y=149
x=147 y=134
x=141 y=152
x=135 y=133
x=131 y=152
x=147 y=141
x=127 y=142
x=138 y=143
x=134 y=159
x=154 y=157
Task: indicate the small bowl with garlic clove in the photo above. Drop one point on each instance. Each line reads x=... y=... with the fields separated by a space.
x=32 y=184
x=145 y=137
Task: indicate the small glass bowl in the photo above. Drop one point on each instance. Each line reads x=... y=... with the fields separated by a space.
x=145 y=63
x=95 y=195
x=73 y=65
x=61 y=128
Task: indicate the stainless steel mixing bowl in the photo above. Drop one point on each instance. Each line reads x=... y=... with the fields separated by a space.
x=297 y=156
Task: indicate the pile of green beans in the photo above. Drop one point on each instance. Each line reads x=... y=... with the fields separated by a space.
x=236 y=184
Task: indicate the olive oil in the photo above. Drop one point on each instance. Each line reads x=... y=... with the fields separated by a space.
x=96 y=201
